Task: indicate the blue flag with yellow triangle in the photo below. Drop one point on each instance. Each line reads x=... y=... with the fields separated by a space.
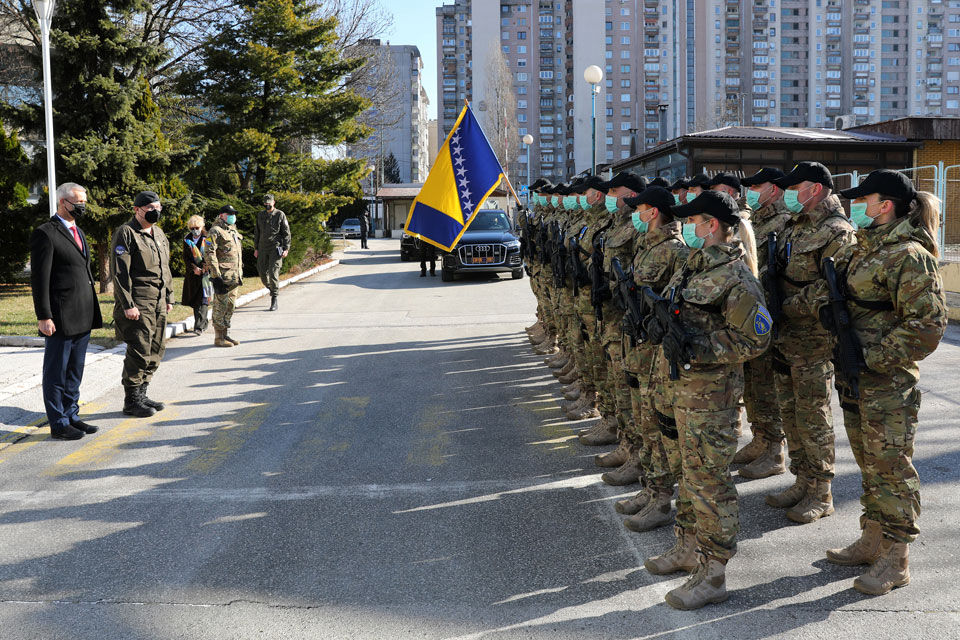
x=465 y=172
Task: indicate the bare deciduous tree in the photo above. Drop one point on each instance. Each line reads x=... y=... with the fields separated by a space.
x=501 y=108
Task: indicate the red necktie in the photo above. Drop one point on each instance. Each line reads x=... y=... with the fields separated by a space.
x=76 y=236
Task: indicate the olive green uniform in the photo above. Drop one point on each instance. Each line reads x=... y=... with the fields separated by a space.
x=140 y=264
x=271 y=237
x=224 y=259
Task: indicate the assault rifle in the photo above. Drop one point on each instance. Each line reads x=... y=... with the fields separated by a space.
x=559 y=257
x=667 y=314
x=578 y=272
x=847 y=351
x=628 y=299
x=599 y=283
x=772 y=282
x=543 y=241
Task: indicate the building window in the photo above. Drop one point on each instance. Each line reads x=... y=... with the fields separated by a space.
x=504 y=35
x=521 y=35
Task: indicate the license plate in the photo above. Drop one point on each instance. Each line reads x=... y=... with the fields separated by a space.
x=483 y=260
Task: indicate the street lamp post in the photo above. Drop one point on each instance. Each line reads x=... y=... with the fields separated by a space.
x=44 y=10
x=528 y=140
x=594 y=75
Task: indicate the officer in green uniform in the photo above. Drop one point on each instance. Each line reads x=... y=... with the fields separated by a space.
x=271 y=241
x=763 y=457
x=224 y=262
x=143 y=288
x=803 y=370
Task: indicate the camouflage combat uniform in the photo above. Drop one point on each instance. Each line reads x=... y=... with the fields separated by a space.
x=721 y=306
x=759 y=393
x=661 y=253
x=894 y=265
x=223 y=257
x=596 y=221
x=803 y=348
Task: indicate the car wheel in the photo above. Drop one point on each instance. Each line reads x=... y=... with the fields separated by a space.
x=447 y=276
x=517 y=274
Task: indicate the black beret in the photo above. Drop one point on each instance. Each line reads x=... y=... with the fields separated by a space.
x=767 y=174
x=657 y=197
x=625 y=179
x=712 y=203
x=144 y=198
x=886 y=182
x=227 y=209
x=727 y=178
x=804 y=172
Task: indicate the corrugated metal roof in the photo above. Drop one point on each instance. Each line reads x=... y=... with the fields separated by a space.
x=792 y=134
x=399 y=190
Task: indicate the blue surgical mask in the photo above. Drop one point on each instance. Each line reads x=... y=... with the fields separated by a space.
x=555 y=201
x=753 y=199
x=582 y=201
x=791 y=199
x=231 y=219
x=569 y=202
x=676 y=199
x=610 y=202
x=858 y=214
x=690 y=236
x=639 y=224
x=691 y=196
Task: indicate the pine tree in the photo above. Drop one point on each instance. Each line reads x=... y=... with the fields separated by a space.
x=16 y=219
x=268 y=82
x=391 y=169
x=106 y=128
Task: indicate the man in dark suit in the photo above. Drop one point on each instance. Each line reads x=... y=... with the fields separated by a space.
x=364 y=229
x=67 y=309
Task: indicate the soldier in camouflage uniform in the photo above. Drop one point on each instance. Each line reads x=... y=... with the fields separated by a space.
x=660 y=253
x=546 y=342
x=896 y=303
x=724 y=324
x=763 y=457
x=223 y=257
x=618 y=242
x=802 y=347
x=271 y=241
x=529 y=225
x=679 y=191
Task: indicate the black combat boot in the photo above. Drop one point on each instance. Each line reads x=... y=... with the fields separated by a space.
x=133 y=404
x=273 y=303
x=153 y=404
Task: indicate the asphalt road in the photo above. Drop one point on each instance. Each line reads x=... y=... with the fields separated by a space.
x=384 y=458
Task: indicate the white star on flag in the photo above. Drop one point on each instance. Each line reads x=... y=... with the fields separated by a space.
x=466 y=195
x=463 y=182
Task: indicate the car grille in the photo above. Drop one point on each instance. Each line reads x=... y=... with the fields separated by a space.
x=482 y=254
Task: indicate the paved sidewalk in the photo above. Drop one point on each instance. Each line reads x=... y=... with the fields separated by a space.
x=21 y=364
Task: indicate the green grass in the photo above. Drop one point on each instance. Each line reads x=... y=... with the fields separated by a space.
x=17 y=317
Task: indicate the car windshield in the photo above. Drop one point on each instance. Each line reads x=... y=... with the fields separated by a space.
x=490 y=221
x=351 y=221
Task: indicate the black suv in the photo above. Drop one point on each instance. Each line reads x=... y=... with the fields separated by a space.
x=487 y=246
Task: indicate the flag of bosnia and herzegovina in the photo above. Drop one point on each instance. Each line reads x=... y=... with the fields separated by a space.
x=465 y=172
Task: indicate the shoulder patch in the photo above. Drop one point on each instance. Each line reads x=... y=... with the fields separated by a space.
x=583 y=231
x=762 y=322
x=120 y=249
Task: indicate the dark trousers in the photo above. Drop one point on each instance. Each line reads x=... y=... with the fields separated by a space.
x=200 y=320
x=145 y=340
x=363 y=241
x=63 y=359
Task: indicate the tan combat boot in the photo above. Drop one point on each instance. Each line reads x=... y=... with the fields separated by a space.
x=227 y=337
x=707 y=585
x=546 y=348
x=816 y=504
x=536 y=327
x=615 y=458
x=891 y=570
x=769 y=463
x=538 y=337
x=657 y=513
x=587 y=410
x=571 y=377
x=750 y=452
x=790 y=496
x=630 y=472
x=572 y=391
x=219 y=340
x=864 y=551
x=604 y=433
x=682 y=556
x=557 y=361
x=565 y=370
x=635 y=504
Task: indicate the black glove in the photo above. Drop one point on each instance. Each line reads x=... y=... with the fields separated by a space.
x=654 y=330
x=826 y=317
x=675 y=348
x=219 y=286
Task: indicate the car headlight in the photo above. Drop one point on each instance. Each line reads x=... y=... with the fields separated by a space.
x=512 y=244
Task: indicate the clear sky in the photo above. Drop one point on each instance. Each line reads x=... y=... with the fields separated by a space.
x=415 y=22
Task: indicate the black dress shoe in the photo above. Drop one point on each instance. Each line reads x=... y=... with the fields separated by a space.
x=83 y=426
x=67 y=433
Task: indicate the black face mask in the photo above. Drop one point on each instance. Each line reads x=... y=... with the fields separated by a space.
x=79 y=209
x=151 y=216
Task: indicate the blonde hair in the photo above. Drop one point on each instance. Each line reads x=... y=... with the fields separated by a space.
x=927 y=210
x=196 y=220
x=744 y=233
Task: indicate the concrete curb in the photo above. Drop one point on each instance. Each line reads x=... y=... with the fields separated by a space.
x=96 y=352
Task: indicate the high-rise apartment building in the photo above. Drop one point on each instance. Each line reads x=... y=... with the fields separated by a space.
x=406 y=132
x=678 y=66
